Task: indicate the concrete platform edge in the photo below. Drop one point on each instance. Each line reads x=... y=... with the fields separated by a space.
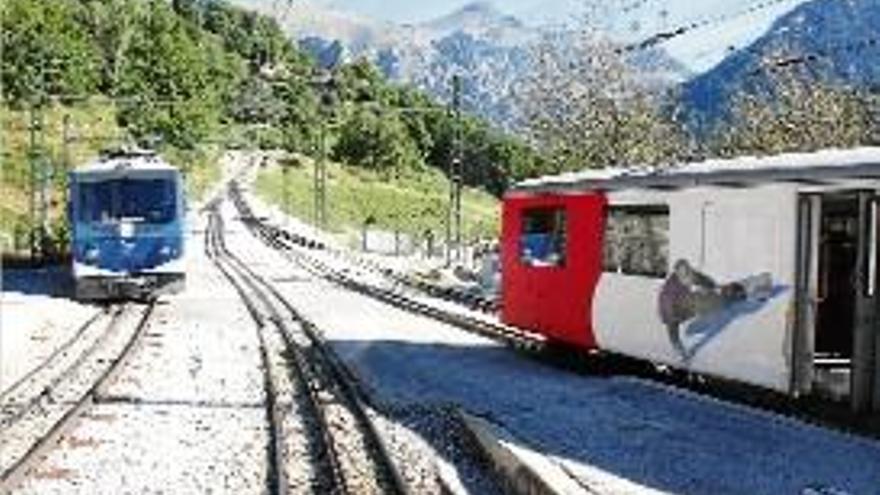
x=522 y=470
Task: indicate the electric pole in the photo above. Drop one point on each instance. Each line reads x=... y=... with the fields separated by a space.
x=457 y=162
x=67 y=138
x=327 y=86
x=46 y=176
x=33 y=128
x=316 y=185
x=39 y=184
x=452 y=207
x=286 y=193
x=320 y=219
x=323 y=176
x=40 y=173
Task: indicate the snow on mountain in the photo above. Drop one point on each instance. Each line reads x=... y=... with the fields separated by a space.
x=819 y=27
x=722 y=24
x=488 y=48
x=481 y=20
x=705 y=47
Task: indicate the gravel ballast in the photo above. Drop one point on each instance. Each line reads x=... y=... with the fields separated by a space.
x=185 y=416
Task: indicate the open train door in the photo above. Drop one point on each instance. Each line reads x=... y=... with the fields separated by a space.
x=866 y=345
x=836 y=333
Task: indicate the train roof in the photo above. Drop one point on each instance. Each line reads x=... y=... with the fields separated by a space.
x=128 y=163
x=817 y=168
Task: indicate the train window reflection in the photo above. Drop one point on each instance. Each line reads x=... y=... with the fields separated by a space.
x=637 y=240
x=542 y=241
x=140 y=200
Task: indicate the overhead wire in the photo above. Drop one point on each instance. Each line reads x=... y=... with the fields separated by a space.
x=663 y=36
x=826 y=53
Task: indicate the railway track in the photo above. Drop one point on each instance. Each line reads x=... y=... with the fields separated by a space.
x=281 y=241
x=465 y=297
x=13 y=397
x=46 y=403
x=309 y=390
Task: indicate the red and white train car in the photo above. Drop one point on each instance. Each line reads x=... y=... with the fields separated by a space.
x=759 y=270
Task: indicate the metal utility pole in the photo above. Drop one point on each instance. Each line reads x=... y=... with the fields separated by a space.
x=67 y=138
x=316 y=186
x=457 y=163
x=32 y=163
x=453 y=206
x=40 y=176
x=321 y=178
x=39 y=185
x=286 y=193
x=46 y=176
x=326 y=85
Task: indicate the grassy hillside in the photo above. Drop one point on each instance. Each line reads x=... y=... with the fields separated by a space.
x=92 y=126
x=95 y=120
x=411 y=204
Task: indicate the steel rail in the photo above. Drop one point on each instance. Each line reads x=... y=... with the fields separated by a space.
x=11 y=389
x=276 y=478
x=347 y=384
x=24 y=464
x=12 y=412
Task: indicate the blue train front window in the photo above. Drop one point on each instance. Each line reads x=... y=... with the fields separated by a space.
x=138 y=200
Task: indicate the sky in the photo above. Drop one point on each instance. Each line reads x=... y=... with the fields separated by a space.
x=537 y=11
x=413 y=11
x=730 y=24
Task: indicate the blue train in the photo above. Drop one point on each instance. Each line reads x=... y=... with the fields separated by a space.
x=127 y=215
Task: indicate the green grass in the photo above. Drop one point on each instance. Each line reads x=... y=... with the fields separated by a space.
x=413 y=204
x=200 y=167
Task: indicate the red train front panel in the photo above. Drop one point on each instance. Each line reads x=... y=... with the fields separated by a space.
x=551 y=252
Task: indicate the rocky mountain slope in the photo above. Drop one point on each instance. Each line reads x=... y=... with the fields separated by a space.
x=488 y=48
x=838 y=42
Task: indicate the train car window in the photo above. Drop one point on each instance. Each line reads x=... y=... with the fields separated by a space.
x=637 y=240
x=542 y=240
x=141 y=200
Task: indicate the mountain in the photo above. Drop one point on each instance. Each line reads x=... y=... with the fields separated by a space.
x=483 y=21
x=842 y=36
x=484 y=46
x=487 y=48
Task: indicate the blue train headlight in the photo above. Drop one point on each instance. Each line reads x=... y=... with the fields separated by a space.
x=169 y=252
x=92 y=253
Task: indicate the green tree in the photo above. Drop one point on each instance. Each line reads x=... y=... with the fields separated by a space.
x=111 y=25
x=177 y=82
x=376 y=141
x=256 y=38
x=300 y=120
x=46 y=48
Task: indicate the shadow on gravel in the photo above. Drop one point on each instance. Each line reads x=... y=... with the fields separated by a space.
x=620 y=428
x=52 y=281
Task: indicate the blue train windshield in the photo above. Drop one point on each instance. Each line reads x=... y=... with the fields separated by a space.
x=139 y=200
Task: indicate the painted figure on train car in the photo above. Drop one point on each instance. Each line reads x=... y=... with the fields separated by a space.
x=691 y=297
